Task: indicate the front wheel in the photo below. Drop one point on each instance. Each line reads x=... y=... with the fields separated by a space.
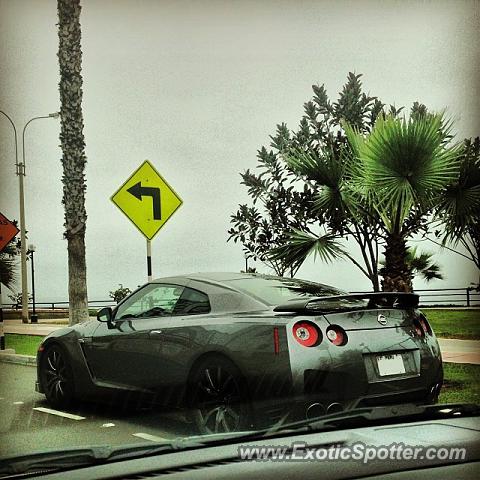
x=57 y=377
x=219 y=400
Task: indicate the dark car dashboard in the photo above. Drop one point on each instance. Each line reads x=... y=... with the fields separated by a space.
x=454 y=446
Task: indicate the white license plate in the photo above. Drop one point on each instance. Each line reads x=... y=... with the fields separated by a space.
x=390 y=365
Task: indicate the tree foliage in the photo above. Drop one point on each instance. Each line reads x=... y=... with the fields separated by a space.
x=8 y=266
x=369 y=174
x=402 y=169
x=120 y=293
x=313 y=159
x=459 y=208
x=278 y=206
x=421 y=264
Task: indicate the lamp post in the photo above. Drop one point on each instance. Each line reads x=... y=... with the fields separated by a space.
x=2 y=338
x=20 y=171
x=31 y=251
x=23 y=251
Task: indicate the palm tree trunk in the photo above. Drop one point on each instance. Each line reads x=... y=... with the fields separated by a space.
x=396 y=274
x=74 y=160
x=77 y=283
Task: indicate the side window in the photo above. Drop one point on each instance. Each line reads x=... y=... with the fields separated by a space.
x=192 y=302
x=154 y=300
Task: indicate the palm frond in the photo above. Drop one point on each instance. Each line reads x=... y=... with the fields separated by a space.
x=324 y=170
x=459 y=207
x=300 y=245
x=403 y=164
x=422 y=264
x=8 y=265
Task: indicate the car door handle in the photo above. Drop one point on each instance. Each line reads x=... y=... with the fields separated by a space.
x=155 y=333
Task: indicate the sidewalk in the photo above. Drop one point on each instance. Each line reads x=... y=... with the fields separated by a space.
x=460 y=351
x=42 y=328
x=453 y=350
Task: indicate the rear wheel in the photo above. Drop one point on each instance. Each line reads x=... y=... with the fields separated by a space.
x=218 y=398
x=57 y=377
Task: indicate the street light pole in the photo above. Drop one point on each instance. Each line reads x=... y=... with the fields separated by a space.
x=23 y=240
x=31 y=251
x=19 y=169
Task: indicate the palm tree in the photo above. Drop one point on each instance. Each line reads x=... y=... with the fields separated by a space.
x=422 y=265
x=401 y=169
x=459 y=208
x=73 y=160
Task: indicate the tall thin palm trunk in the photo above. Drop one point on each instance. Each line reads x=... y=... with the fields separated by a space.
x=73 y=160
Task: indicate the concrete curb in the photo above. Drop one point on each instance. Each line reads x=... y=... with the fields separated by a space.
x=8 y=357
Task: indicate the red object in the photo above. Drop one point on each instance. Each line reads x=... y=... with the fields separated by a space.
x=7 y=231
x=337 y=335
x=276 y=341
x=306 y=334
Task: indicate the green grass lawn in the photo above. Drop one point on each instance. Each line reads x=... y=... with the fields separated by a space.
x=461 y=383
x=463 y=324
x=23 y=344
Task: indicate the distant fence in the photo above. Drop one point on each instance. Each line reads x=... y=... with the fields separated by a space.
x=58 y=306
x=463 y=297
x=446 y=297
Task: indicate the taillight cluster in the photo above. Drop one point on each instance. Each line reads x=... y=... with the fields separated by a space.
x=421 y=326
x=425 y=325
x=337 y=335
x=308 y=334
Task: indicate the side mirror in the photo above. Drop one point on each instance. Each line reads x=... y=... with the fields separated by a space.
x=105 y=315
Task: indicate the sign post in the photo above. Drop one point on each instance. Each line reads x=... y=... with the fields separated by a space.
x=7 y=233
x=148 y=201
x=149 y=260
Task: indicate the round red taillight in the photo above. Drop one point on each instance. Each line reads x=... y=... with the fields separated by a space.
x=337 y=335
x=307 y=334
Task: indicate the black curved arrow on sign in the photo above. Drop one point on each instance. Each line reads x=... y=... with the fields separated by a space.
x=138 y=192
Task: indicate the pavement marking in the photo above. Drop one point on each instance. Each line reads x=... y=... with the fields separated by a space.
x=60 y=414
x=152 y=438
x=18 y=403
x=107 y=425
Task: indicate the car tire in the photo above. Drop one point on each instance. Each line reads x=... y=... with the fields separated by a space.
x=57 y=377
x=218 y=397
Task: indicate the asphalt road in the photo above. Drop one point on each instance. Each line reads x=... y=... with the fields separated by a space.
x=24 y=428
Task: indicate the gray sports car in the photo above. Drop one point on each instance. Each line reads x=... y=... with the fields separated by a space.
x=245 y=349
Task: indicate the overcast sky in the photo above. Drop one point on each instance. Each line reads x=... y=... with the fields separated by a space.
x=197 y=87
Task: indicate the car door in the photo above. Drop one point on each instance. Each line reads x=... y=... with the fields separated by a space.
x=126 y=352
x=181 y=338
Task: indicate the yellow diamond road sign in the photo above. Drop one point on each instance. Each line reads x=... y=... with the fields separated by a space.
x=147 y=200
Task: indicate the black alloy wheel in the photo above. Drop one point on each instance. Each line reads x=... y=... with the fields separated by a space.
x=57 y=378
x=219 y=400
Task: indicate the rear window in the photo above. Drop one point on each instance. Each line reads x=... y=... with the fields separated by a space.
x=277 y=290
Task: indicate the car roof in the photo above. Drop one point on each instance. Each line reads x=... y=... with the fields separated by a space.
x=212 y=276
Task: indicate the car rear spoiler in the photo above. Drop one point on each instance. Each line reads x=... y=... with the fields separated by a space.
x=334 y=302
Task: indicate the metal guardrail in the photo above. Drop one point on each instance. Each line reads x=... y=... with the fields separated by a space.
x=455 y=297
x=56 y=306
x=464 y=297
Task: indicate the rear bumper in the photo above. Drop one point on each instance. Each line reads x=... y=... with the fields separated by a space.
x=311 y=406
